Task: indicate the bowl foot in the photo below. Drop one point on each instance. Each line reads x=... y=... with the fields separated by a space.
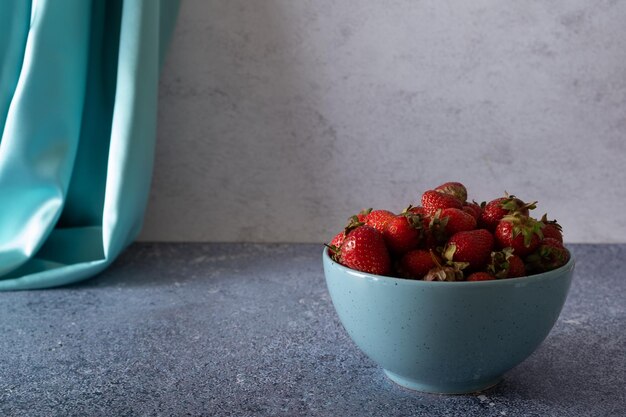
x=443 y=388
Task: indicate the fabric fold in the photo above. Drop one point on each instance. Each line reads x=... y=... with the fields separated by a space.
x=78 y=140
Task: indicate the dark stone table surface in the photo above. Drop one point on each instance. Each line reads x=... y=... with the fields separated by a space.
x=249 y=330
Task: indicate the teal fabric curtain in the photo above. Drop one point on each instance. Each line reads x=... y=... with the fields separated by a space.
x=78 y=95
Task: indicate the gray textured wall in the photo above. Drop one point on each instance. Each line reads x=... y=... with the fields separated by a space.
x=280 y=118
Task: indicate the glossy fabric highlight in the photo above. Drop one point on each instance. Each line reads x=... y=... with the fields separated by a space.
x=78 y=93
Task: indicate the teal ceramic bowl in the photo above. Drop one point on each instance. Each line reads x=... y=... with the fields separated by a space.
x=447 y=337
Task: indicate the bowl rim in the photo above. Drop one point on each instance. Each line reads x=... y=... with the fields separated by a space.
x=527 y=279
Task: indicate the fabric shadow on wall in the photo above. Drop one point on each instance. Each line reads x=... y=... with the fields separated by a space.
x=78 y=94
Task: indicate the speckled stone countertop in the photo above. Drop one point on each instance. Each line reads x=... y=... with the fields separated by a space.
x=249 y=330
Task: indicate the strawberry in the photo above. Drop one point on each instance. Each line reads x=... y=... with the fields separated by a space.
x=496 y=209
x=551 y=229
x=363 y=214
x=426 y=235
x=415 y=264
x=480 y=276
x=378 y=219
x=552 y=242
x=504 y=264
x=435 y=228
x=456 y=220
x=364 y=249
x=521 y=233
x=472 y=246
x=445 y=223
x=516 y=267
x=435 y=200
x=433 y=238
x=550 y=254
x=337 y=241
x=474 y=209
x=335 y=244
x=403 y=233
x=455 y=189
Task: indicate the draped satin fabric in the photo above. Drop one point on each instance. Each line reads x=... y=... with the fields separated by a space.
x=78 y=96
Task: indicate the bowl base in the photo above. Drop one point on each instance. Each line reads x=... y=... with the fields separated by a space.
x=455 y=388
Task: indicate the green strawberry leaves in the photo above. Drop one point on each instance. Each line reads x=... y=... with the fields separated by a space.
x=524 y=225
x=499 y=266
x=544 y=220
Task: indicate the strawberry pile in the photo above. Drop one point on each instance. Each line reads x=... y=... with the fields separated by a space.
x=448 y=238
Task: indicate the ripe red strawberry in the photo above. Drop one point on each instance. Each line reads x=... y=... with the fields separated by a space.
x=455 y=189
x=378 y=219
x=434 y=200
x=456 y=220
x=496 y=209
x=550 y=254
x=516 y=267
x=419 y=211
x=334 y=245
x=364 y=250
x=552 y=242
x=445 y=223
x=472 y=246
x=415 y=264
x=474 y=209
x=552 y=229
x=337 y=241
x=481 y=276
x=435 y=227
x=363 y=215
x=432 y=238
x=403 y=233
x=504 y=264
x=519 y=232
